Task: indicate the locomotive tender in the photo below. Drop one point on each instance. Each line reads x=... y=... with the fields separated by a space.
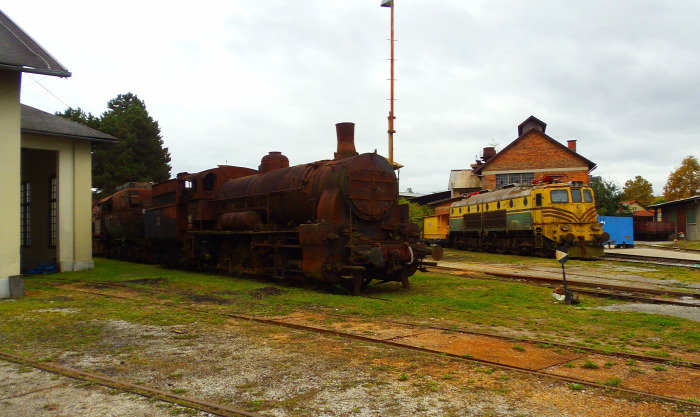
x=328 y=222
x=527 y=219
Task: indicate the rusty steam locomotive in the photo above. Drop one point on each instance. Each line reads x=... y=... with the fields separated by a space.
x=328 y=222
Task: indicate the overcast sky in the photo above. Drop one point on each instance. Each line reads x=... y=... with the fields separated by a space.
x=230 y=80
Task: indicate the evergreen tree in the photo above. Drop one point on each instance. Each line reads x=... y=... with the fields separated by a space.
x=684 y=182
x=638 y=189
x=138 y=156
x=79 y=116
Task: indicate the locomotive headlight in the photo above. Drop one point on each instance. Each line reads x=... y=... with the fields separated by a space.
x=565 y=228
x=596 y=227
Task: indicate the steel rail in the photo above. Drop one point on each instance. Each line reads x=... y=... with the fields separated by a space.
x=540 y=373
x=653 y=359
x=584 y=284
x=144 y=391
x=625 y=355
x=655 y=260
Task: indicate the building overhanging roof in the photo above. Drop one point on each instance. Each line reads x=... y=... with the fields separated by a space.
x=693 y=199
x=19 y=52
x=35 y=121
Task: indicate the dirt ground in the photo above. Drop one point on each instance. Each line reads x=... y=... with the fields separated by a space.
x=277 y=371
x=286 y=372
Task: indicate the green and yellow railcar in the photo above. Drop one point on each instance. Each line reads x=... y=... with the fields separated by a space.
x=529 y=220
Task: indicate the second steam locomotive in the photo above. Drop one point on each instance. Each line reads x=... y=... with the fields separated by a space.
x=333 y=221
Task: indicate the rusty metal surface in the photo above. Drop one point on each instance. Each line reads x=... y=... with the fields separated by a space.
x=273 y=161
x=120 y=216
x=342 y=210
x=336 y=220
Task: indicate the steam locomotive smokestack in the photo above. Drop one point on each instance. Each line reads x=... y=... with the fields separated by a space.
x=346 y=140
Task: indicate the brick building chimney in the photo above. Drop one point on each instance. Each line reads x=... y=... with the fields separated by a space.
x=571 y=144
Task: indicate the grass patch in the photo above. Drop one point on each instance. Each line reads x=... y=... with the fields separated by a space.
x=42 y=318
x=613 y=382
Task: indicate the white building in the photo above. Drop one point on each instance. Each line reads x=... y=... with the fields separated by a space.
x=45 y=195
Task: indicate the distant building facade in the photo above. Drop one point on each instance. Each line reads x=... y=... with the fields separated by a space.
x=533 y=154
x=685 y=214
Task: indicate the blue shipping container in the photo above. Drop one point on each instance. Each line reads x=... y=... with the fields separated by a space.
x=620 y=229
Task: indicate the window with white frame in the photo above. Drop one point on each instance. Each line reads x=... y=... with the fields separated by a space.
x=521 y=178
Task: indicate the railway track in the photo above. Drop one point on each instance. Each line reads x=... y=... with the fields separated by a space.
x=626 y=355
x=118 y=384
x=406 y=341
x=653 y=260
x=632 y=293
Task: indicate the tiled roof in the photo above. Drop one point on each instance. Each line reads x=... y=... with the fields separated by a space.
x=41 y=123
x=19 y=52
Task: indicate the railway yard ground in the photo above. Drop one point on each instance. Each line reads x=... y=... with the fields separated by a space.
x=475 y=337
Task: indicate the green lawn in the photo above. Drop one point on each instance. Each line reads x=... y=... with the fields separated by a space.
x=31 y=322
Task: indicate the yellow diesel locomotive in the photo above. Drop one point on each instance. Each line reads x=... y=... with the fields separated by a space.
x=526 y=219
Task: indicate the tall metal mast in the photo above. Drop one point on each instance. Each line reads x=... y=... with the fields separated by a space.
x=391 y=131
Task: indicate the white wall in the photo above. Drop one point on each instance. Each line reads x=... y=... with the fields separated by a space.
x=74 y=250
x=10 y=184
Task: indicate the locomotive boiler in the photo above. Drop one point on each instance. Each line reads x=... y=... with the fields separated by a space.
x=118 y=222
x=332 y=221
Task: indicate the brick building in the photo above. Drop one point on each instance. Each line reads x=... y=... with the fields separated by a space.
x=532 y=155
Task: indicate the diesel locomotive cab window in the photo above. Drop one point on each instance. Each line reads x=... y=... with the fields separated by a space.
x=559 y=196
x=538 y=200
x=576 y=195
x=588 y=196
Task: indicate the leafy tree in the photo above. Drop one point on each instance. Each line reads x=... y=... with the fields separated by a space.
x=139 y=155
x=684 y=182
x=416 y=212
x=638 y=189
x=607 y=197
x=658 y=200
